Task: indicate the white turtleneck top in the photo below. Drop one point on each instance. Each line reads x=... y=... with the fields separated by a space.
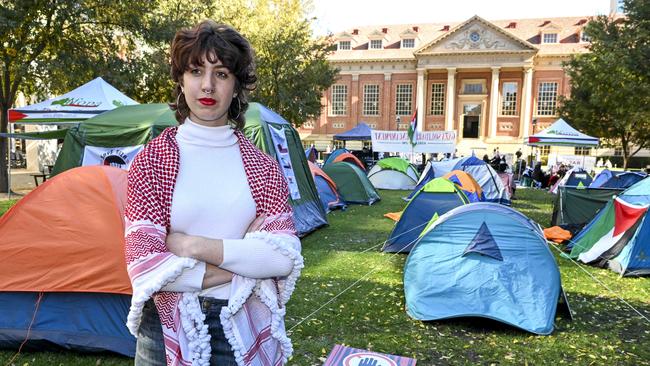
x=212 y=199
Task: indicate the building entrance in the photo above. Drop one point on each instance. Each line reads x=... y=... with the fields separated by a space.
x=471 y=120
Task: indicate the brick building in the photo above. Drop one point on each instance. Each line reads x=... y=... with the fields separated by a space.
x=493 y=82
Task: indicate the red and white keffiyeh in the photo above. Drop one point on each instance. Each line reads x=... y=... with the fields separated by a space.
x=253 y=321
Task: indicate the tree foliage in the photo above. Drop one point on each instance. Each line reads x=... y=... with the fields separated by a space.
x=52 y=46
x=610 y=85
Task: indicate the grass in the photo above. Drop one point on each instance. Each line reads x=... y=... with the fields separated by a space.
x=350 y=293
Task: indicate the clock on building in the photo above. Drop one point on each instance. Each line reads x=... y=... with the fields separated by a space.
x=474 y=36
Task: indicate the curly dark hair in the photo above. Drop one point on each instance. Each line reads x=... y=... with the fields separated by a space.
x=213 y=40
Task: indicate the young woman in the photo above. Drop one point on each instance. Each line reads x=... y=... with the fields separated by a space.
x=210 y=242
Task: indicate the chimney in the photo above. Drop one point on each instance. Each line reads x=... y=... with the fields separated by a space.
x=545 y=23
x=512 y=25
x=445 y=28
x=581 y=21
x=355 y=31
x=416 y=28
x=384 y=30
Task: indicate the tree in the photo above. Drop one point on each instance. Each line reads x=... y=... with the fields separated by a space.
x=610 y=86
x=48 y=43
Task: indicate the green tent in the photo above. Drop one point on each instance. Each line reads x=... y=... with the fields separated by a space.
x=276 y=137
x=115 y=136
x=579 y=205
x=352 y=183
x=394 y=173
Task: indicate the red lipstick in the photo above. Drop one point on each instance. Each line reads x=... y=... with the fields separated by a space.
x=207 y=101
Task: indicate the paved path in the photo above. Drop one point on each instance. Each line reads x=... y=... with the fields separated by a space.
x=22 y=182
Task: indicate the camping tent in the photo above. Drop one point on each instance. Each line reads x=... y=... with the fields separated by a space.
x=360 y=132
x=276 y=137
x=113 y=138
x=326 y=187
x=89 y=100
x=348 y=157
x=434 y=199
x=483 y=260
x=467 y=184
x=619 y=236
x=575 y=177
x=393 y=173
x=485 y=176
x=560 y=133
x=64 y=265
x=352 y=183
x=334 y=154
x=312 y=154
x=619 y=180
x=577 y=206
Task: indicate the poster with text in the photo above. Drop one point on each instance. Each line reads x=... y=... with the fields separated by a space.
x=348 y=356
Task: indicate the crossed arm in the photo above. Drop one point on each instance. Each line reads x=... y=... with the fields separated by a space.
x=206 y=250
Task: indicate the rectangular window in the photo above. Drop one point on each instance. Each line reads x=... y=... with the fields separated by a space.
x=584 y=37
x=371 y=100
x=437 y=99
x=582 y=151
x=338 y=144
x=549 y=38
x=404 y=99
x=618 y=151
x=546 y=98
x=408 y=43
x=345 y=45
x=473 y=88
x=544 y=150
x=339 y=100
x=367 y=145
x=375 y=44
x=509 y=99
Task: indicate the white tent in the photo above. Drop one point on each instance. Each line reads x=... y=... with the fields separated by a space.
x=93 y=98
x=560 y=133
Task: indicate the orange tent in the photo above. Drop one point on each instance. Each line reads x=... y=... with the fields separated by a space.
x=326 y=187
x=467 y=184
x=350 y=159
x=64 y=278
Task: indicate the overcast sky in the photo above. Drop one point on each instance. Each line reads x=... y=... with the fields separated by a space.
x=337 y=15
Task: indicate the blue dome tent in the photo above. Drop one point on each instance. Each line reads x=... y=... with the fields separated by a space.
x=483 y=260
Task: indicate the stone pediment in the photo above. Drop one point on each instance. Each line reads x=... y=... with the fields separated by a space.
x=476 y=35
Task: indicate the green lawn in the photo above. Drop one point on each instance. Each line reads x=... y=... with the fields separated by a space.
x=351 y=293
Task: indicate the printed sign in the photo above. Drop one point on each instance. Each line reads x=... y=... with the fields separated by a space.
x=426 y=142
x=586 y=162
x=348 y=356
x=282 y=152
x=120 y=157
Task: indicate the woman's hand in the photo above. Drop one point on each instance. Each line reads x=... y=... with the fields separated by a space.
x=256 y=225
x=180 y=244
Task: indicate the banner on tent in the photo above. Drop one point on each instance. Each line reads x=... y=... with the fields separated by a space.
x=586 y=162
x=282 y=151
x=427 y=142
x=119 y=157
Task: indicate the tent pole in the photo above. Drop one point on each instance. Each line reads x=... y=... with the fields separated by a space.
x=11 y=130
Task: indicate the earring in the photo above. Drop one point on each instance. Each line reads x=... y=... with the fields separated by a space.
x=179 y=97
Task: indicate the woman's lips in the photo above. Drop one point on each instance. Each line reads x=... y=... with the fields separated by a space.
x=207 y=101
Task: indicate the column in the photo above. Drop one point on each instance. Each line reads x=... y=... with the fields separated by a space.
x=354 y=102
x=450 y=97
x=420 y=96
x=527 y=99
x=494 y=102
x=387 y=103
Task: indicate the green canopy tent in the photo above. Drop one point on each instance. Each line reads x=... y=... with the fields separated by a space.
x=275 y=136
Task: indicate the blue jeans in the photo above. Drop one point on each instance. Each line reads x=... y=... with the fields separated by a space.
x=150 y=348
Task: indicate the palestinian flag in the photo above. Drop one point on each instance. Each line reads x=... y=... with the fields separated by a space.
x=607 y=237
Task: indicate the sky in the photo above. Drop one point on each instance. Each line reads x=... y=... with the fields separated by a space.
x=334 y=16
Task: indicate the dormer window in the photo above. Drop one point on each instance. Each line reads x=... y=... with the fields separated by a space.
x=584 y=37
x=375 y=44
x=345 y=45
x=549 y=38
x=408 y=43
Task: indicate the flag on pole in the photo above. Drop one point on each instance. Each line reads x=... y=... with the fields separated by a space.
x=413 y=128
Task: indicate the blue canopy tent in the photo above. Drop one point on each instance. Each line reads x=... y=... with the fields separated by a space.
x=483 y=260
x=359 y=133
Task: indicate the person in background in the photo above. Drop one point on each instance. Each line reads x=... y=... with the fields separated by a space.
x=210 y=241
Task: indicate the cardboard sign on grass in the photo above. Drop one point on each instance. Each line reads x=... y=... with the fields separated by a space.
x=347 y=356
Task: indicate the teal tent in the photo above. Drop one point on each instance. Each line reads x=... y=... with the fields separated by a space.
x=483 y=260
x=276 y=137
x=352 y=183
